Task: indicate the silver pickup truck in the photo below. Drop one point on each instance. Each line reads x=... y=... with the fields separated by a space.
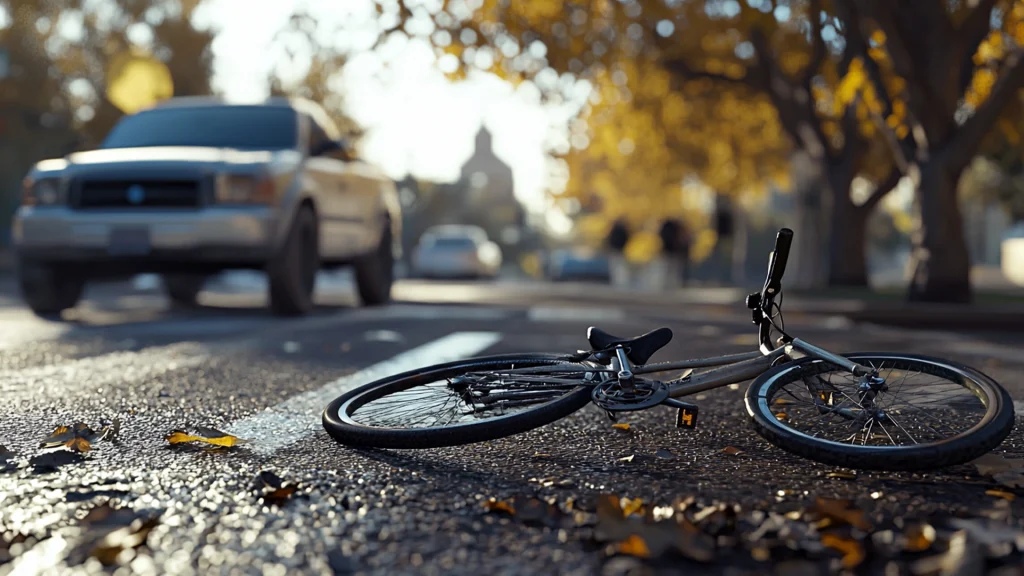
x=196 y=186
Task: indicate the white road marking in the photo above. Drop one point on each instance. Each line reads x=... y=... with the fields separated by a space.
x=422 y=312
x=575 y=314
x=105 y=370
x=299 y=417
x=21 y=327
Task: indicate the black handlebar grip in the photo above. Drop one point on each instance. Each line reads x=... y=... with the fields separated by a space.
x=779 y=257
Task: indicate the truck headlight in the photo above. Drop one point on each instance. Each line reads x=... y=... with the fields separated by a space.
x=244 y=189
x=42 y=192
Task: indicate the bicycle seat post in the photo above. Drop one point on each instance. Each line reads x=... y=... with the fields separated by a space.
x=625 y=372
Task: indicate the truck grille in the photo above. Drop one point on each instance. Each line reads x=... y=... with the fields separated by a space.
x=138 y=194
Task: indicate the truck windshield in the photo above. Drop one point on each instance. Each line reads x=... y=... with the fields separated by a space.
x=238 y=127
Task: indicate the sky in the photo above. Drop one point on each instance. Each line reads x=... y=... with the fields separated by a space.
x=416 y=120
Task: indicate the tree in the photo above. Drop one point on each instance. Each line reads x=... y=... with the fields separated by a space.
x=958 y=74
x=639 y=138
x=29 y=64
x=81 y=66
x=839 y=87
x=321 y=66
x=710 y=46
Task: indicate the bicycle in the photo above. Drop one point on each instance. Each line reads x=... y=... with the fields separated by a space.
x=492 y=397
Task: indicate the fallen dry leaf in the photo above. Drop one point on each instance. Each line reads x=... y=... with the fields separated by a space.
x=274 y=491
x=843 y=475
x=853 y=551
x=111 y=531
x=110 y=432
x=627 y=458
x=839 y=511
x=634 y=546
x=961 y=557
x=664 y=454
x=530 y=510
x=204 y=435
x=918 y=537
x=631 y=506
x=732 y=451
x=1002 y=494
x=643 y=534
x=620 y=426
x=78 y=438
x=537 y=511
x=494 y=505
x=132 y=537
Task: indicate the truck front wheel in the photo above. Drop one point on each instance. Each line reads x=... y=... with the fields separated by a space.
x=49 y=289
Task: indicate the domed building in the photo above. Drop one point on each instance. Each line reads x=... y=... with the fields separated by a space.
x=488 y=187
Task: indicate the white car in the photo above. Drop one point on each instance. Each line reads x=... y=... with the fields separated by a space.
x=456 y=251
x=196 y=186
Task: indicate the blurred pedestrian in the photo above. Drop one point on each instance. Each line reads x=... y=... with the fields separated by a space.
x=675 y=253
x=618 y=238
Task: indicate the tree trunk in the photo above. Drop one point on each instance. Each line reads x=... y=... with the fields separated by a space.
x=847 y=255
x=739 y=246
x=806 y=261
x=940 y=261
x=848 y=247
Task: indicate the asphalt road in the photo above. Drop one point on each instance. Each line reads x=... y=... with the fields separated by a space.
x=124 y=355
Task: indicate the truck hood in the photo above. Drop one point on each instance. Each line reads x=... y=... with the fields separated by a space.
x=212 y=159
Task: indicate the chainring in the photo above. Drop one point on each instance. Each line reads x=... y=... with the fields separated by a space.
x=610 y=395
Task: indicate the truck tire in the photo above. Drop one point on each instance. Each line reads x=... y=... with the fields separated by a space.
x=183 y=289
x=375 y=272
x=49 y=289
x=291 y=273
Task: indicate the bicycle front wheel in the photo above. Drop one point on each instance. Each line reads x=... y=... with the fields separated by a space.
x=925 y=413
x=462 y=402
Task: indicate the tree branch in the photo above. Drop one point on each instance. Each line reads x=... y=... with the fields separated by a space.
x=856 y=44
x=969 y=37
x=880 y=12
x=883 y=189
x=968 y=139
x=918 y=102
x=817 y=43
x=679 y=67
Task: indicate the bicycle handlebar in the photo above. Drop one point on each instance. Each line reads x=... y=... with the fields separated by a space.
x=762 y=304
x=777 y=264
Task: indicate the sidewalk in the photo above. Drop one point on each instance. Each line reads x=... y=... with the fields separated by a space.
x=991 y=311
x=996 y=312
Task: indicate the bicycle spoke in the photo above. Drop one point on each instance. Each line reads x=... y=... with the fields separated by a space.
x=472 y=396
x=909 y=407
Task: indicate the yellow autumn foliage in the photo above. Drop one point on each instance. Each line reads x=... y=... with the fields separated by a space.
x=651 y=123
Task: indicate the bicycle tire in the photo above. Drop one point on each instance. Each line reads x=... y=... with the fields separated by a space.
x=994 y=427
x=342 y=428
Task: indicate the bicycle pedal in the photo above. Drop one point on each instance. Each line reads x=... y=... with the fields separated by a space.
x=686 y=417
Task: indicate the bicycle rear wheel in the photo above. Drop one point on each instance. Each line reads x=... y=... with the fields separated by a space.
x=462 y=402
x=925 y=413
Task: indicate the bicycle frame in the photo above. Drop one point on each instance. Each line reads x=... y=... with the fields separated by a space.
x=736 y=368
